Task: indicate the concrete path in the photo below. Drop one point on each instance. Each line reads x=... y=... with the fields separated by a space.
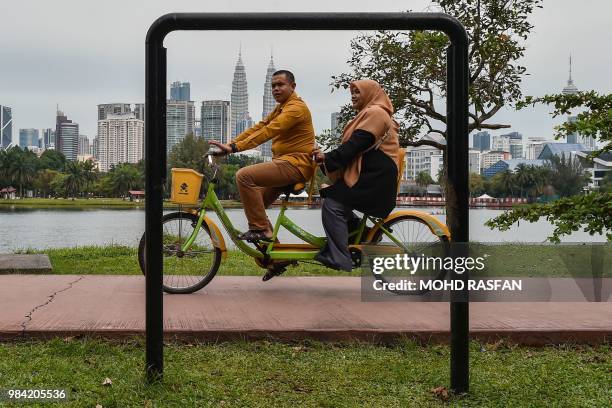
x=24 y=263
x=285 y=308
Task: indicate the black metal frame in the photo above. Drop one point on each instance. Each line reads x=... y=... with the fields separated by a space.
x=155 y=136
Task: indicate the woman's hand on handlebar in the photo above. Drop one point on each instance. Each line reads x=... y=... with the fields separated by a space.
x=318 y=156
x=225 y=148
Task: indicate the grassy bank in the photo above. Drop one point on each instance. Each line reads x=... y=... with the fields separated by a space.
x=120 y=260
x=525 y=260
x=311 y=374
x=91 y=203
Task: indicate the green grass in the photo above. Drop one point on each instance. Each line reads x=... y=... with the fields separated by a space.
x=264 y=374
x=90 y=203
x=121 y=260
x=524 y=260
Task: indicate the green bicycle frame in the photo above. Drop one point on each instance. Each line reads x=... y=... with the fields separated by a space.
x=211 y=202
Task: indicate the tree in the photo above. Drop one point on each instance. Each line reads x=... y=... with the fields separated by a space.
x=477 y=186
x=569 y=175
x=606 y=183
x=423 y=179
x=508 y=180
x=189 y=153
x=21 y=167
x=74 y=179
x=592 y=212
x=43 y=181
x=595 y=121
x=522 y=177
x=411 y=66
x=58 y=185
x=52 y=159
x=124 y=177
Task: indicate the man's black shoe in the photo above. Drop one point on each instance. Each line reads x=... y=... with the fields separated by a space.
x=253 y=236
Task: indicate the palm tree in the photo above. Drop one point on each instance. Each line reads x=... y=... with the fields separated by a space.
x=522 y=177
x=123 y=178
x=508 y=180
x=4 y=166
x=423 y=179
x=21 y=167
x=90 y=174
x=75 y=178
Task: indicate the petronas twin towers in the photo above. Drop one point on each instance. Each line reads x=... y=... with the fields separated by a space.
x=240 y=117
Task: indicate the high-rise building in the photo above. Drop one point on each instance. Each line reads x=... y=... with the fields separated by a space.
x=113 y=109
x=93 y=149
x=500 y=143
x=474 y=161
x=268 y=106
x=492 y=157
x=571 y=89
x=28 y=138
x=239 y=100
x=120 y=140
x=48 y=138
x=215 y=120
x=534 y=147
x=6 y=126
x=180 y=91
x=197 y=127
x=83 y=145
x=481 y=141
x=515 y=144
x=139 y=111
x=66 y=136
x=572 y=137
x=513 y=136
x=180 y=120
x=422 y=158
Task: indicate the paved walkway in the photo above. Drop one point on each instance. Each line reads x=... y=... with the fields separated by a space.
x=285 y=308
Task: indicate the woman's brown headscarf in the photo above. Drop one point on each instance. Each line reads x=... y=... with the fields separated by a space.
x=375 y=117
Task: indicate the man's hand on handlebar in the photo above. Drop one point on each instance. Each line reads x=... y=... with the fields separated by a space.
x=224 y=148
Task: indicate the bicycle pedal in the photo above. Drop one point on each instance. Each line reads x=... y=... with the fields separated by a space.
x=276 y=271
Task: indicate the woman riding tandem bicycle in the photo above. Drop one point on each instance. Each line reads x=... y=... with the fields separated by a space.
x=365 y=170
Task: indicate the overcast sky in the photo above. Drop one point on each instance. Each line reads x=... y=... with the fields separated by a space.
x=79 y=54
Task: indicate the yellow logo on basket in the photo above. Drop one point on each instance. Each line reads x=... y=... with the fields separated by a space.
x=184 y=189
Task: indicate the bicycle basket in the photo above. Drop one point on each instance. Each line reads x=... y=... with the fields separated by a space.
x=186 y=185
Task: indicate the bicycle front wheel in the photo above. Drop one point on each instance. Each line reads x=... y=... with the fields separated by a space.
x=190 y=270
x=412 y=237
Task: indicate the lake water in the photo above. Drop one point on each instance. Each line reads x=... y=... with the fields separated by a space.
x=58 y=228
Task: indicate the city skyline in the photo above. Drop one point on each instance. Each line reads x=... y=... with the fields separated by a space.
x=118 y=75
x=180 y=95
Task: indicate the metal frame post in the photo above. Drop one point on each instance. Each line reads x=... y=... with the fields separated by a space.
x=155 y=165
x=155 y=136
x=458 y=188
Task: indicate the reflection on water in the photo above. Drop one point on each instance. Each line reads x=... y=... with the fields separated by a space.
x=22 y=228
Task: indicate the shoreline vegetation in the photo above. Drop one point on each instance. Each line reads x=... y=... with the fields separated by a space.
x=511 y=260
x=93 y=202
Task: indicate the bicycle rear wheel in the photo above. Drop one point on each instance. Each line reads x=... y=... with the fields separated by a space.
x=184 y=271
x=414 y=238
